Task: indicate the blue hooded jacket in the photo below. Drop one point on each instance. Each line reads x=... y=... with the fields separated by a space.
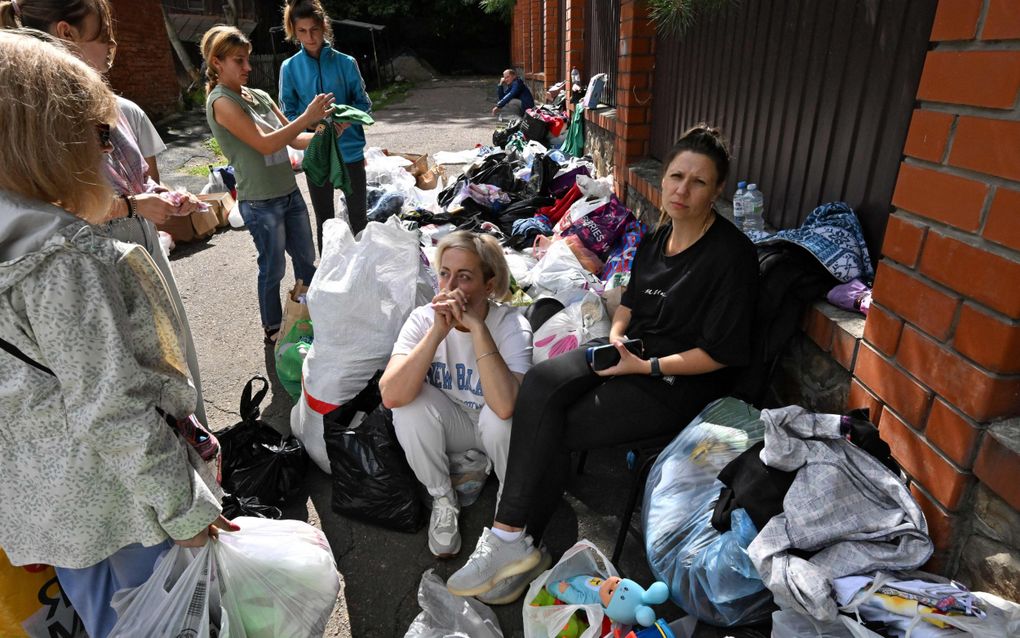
x=302 y=77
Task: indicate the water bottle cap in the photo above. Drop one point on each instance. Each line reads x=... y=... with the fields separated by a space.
x=752 y=187
x=741 y=184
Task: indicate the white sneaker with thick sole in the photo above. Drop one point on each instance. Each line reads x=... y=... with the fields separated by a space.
x=444 y=535
x=510 y=589
x=492 y=561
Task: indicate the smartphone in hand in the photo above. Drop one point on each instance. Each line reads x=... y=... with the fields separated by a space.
x=607 y=356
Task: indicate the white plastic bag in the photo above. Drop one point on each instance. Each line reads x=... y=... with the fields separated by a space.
x=787 y=623
x=559 y=274
x=278 y=579
x=181 y=598
x=234 y=217
x=547 y=622
x=361 y=294
x=447 y=616
x=296 y=157
x=576 y=324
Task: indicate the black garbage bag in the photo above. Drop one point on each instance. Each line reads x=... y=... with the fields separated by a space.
x=257 y=460
x=234 y=506
x=503 y=134
x=371 y=479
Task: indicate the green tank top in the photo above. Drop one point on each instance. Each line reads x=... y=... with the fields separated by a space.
x=258 y=176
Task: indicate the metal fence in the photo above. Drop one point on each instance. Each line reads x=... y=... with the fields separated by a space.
x=815 y=97
x=602 y=37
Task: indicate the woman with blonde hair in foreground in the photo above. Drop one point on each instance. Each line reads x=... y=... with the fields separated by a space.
x=92 y=479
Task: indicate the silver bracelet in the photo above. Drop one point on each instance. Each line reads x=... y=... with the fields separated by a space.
x=487 y=354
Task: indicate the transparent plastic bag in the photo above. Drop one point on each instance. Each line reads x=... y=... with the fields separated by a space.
x=447 y=616
x=547 y=622
x=181 y=598
x=559 y=274
x=680 y=496
x=787 y=623
x=278 y=579
x=468 y=473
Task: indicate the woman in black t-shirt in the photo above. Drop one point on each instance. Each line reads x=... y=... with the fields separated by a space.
x=690 y=300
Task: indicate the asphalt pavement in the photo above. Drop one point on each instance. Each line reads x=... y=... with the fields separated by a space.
x=381 y=569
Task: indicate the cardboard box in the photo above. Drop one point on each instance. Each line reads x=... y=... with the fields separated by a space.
x=221 y=204
x=180 y=228
x=432 y=178
x=204 y=223
x=419 y=163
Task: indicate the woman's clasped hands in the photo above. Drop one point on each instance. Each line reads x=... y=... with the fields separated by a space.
x=453 y=307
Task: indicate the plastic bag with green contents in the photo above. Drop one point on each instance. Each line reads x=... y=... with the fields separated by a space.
x=290 y=355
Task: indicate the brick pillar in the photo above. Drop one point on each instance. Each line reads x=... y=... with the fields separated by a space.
x=519 y=26
x=633 y=94
x=573 y=40
x=940 y=360
x=536 y=41
x=144 y=67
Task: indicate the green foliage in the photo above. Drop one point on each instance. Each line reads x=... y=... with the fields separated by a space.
x=194 y=98
x=202 y=170
x=675 y=17
x=501 y=8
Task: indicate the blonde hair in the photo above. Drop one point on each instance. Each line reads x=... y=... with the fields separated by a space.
x=52 y=103
x=45 y=14
x=489 y=253
x=221 y=42
x=296 y=10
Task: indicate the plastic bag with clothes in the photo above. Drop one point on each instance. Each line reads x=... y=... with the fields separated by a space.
x=708 y=576
x=363 y=291
x=257 y=460
x=576 y=324
x=549 y=620
x=371 y=478
x=444 y=615
x=271 y=579
x=559 y=274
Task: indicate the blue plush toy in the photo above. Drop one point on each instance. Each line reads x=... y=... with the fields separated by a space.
x=625 y=601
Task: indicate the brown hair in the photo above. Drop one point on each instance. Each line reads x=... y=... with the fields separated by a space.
x=45 y=14
x=220 y=42
x=53 y=154
x=489 y=252
x=296 y=10
x=704 y=140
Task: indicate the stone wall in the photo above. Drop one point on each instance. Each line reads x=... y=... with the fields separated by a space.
x=600 y=145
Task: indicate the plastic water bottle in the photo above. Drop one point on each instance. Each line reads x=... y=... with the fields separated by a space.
x=754 y=212
x=739 y=207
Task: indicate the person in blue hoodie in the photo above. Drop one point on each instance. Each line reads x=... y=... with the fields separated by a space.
x=513 y=95
x=319 y=68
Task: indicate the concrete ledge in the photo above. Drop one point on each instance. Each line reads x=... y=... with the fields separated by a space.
x=835 y=331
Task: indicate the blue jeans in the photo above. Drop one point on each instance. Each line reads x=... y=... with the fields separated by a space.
x=277 y=225
x=91 y=589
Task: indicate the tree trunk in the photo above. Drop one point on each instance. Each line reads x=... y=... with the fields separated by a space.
x=182 y=55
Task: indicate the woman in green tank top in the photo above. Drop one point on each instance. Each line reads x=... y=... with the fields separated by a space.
x=254 y=136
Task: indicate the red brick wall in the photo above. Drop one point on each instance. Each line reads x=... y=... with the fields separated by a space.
x=941 y=351
x=143 y=70
x=633 y=89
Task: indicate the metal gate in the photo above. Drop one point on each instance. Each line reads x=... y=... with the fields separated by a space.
x=815 y=97
x=602 y=39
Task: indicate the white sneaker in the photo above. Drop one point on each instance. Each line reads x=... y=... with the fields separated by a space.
x=444 y=536
x=492 y=561
x=510 y=589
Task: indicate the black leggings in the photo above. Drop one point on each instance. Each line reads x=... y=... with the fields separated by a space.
x=564 y=407
x=322 y=201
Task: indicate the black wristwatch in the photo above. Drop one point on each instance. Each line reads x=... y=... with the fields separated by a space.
x=656 y=371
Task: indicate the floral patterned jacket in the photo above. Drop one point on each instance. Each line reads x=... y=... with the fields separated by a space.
x=87 y=465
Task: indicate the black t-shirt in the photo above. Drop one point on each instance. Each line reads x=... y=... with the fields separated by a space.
x=703 y=297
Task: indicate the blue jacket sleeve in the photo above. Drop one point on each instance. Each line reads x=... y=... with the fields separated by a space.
x=356 y=94
x=289 y=100
x=501 y=90
x=513 y=92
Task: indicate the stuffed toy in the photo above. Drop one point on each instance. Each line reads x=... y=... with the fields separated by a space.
x=625 y=601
